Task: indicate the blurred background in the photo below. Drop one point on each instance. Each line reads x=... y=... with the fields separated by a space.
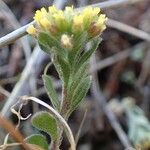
x=120 y=69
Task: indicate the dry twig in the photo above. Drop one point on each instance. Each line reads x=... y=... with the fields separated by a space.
x=128 y=29
x=8 y=126
x=101 y=100
x=15 y=24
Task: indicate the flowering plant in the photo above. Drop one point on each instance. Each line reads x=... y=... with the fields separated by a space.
x=65 y=35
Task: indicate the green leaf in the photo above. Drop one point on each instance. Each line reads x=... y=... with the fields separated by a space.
x=51 y=91
x=80 y=92
x=39 y=140
x=48 y=41
x=45 y=122
x=86 y=55
x=77 y=78
x=45 y=48
x=80 y=41
x=44 y=42
x=65 y=69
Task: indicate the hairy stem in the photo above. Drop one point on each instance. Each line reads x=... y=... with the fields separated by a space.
x=61 y=121
x=55 y=145
x=63 y=111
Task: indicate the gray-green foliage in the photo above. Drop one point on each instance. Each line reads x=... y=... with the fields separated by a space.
x=48 y=83
x=72 y=67
x=39 y=140
x=44 y=121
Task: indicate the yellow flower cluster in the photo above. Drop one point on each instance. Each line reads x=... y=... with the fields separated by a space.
x=54 y=21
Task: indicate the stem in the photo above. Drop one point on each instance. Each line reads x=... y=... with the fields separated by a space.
x=63 y=111
x=65 y=104
x=60 y=120
x=4 y=146
x=56 y=144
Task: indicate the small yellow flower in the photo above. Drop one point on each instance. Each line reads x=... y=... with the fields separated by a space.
x=98 y=27
x=96 y=11
x=44 y=11
x=52 y=9
x=31 y=30
x=78 y=23
x=45 y=23
x=101 y=20
x=38 y=16
x=69 y=10
x=66 y=41
x=87 y=14
x=59 y=17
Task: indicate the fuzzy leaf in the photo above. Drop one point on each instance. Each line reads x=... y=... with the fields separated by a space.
x=80 y=41
x=80 y=92
x=77 y=78
x=45 y=122
x=65 y=69
x=47 y=41
x=86 y=55
x=51 y=91
x=45 y=48
x=34 y=147
x=39 y=140
x=44 y=42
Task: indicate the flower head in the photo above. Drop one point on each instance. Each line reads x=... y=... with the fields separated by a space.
x=70 y=21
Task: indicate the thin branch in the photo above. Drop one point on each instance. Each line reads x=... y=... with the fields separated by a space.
x=10 y=145
x=115 y=3
x=116 y=57
x=15 y=24
x=128 y=29
x=56 y=115
x=80 y=127
x=11 y=37
x=24 y=41
x=20 y=84
x=5 y=92
x=9 y=127
x=145 y=71
x=101 y=100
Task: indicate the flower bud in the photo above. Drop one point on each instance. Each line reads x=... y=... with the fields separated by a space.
x=96 y=28
x=52 y=9
x=77 y=23
x=31 y=30
x=66 y=41
x=45 y=23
